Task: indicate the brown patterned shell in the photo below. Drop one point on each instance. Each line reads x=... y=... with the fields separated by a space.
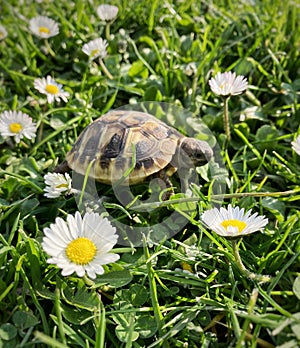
x=110 y=140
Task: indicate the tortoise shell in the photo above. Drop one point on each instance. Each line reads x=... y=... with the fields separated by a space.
x=125 y=143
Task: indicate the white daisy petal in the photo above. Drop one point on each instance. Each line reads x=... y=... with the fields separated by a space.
x=66 y=271
x=53 y=241
x=60 y=232
x=296 y=145
x=51 y=88
x=91 y=273
x=80 y=245
x=43 y=27
x=106 y=245
x=17 y=124
x=233 y=222
x=74 y=228
x=228 y=83
x=93 y=225
x=107 y=258
x=80 y=270
x=95 y=48
x=107 y=12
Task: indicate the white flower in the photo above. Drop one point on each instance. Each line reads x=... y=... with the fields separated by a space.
x=17 y=124
x=80 y=245
x=51 y=88
x=182 y=270
x=56 y=184
x=3 y=32
x=233 y=222
x=296 y=145
x=228 y=83
x=43 y=27
x=107 y=12
x=95 y=48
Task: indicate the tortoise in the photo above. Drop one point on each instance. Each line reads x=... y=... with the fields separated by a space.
x=117 y=138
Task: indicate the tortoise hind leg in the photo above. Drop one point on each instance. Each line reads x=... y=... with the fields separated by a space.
x=62 y=168
x=164 y=184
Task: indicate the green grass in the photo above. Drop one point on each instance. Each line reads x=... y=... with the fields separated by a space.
x=164 y=52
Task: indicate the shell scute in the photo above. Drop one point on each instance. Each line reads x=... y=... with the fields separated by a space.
x=113 y=147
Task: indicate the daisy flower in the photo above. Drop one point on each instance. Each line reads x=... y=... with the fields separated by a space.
x=80 y=245
x=51 y=88
x=17 y=124
x=56 y=184
x=3 y=32
x=107 y=12
x=233 y=222
x=296 y=145
x=43 y=27
x=95 y=48
x=228 y=83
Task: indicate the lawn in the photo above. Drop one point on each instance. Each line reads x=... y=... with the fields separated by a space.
x=212 y=261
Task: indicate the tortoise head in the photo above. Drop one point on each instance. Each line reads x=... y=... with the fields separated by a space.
x=191 y=152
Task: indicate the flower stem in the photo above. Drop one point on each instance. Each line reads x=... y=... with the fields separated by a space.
x=236 y=254
x=88 y=281
x=153 y=289
x=226 y=119
x=104 y=68
x=49 y=49
x=259 y=277
x=107 y=31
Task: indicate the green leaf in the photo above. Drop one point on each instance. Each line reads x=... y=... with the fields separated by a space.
x=146 y=325
x=4 y=250
x=29 y=205
x=114 y=279
x=34 y=259
x=125 y=329
x=295 y=326
x=70 y=332
x=30 y=166
x=185 y=206
x=137 y=295
x=4 y=203
x=138 y=69
x=126 y=334
x=82 y=298
x=152 y=93
x=24 y=320
x=74 y=315
x=8 y=332
x=243 y=128
x=275 y=206
x=266 y=138
x=296 y=287
x=58 y=120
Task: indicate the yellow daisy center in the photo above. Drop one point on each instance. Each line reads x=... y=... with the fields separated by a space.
x=44 y=30
x=1 y=34
x=15 y=127
x=81 y=251
x=186 y=267
x=62 y=186
x=52 y=89
x=94 y=52
x=223 y=85
x=240 y=225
